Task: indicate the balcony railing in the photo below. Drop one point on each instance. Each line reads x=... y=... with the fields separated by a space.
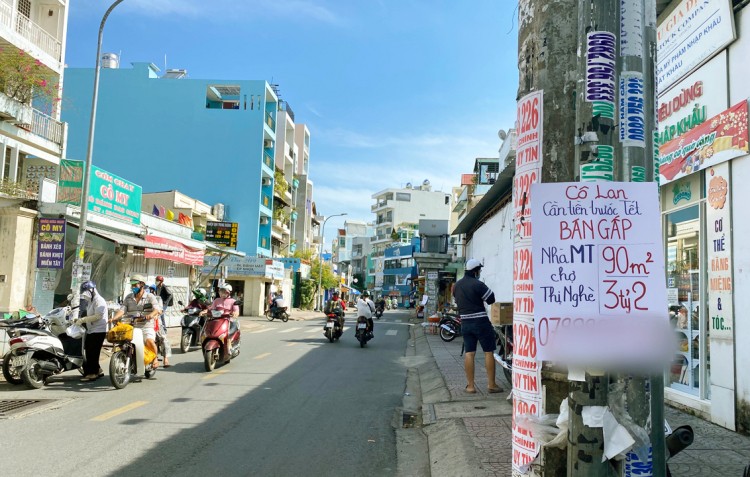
x=47 y=127
x=270 y=121
x=29 y=30
x=11 y=108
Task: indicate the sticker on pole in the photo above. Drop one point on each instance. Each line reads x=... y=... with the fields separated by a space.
x=599 y=287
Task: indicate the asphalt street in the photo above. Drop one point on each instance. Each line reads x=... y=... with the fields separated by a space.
x=290 y=404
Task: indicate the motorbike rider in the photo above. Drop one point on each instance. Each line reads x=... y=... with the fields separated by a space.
x=365 y=308
x=200 y=300
x=336 y=306
x=226 y=303
x=277 y=302
x=135 y=302
x=96 y=329
x=380 y=303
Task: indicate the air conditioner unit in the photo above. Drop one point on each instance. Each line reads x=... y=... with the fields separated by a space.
x=264 y=220
x=266 y=181
x=267 y=143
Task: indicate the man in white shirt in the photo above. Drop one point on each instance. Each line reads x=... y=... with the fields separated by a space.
x=365 y=308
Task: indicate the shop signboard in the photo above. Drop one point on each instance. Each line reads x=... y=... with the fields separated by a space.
x=599 y=282
x=185 y=254
x=527 y=378
x=719 y=239
x=690 y=35
x=51 y=243
x=109 y=195
x=246 y=267
x=223 y=234
x=721 y=138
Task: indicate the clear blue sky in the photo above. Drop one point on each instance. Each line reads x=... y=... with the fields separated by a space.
x=393 y=91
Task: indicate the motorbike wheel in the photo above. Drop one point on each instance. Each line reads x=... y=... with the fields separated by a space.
x=329 y=335
x=284 y=316
x=447 y=335
x=31 y=375
x=119 y=371
x=11 y=375
x=501 y=351
x=362 y=340
x=209 y=359
x=269 y=315
x=185 y=342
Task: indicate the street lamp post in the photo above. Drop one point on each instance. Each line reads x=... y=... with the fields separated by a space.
x=320 y=257
x=80 y=245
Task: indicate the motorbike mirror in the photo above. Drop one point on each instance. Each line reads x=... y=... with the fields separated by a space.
x=679 y=439
x=148 y=308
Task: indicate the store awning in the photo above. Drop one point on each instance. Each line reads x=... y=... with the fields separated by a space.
x=215 y=249
x=125 y=239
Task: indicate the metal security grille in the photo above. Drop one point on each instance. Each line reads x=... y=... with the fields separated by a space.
x=24 y=8
x=10 y=407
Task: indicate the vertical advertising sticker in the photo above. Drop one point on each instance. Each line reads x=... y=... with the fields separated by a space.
x=632 y=113
x=719 y=238
x=601 y=73
x=51 y=243
x=631 y=28
x=527 y=381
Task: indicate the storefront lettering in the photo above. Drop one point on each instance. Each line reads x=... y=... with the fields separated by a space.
x=684 y=125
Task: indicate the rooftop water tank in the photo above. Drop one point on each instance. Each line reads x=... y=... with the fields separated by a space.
x=110 y=60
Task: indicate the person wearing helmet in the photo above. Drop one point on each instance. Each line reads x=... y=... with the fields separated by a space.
x=95 y=320
x=139 y=300
x=365 y=308
x=160 y=328
x=337 y=306
x=471 y=295
x=200 y=300
x=226 y=303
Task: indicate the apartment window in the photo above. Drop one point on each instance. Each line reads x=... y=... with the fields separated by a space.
x=223 y=96
x=24 y=8
x=403 y=196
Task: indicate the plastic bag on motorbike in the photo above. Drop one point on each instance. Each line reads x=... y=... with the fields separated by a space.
x=75 y=331
x=148 y=356
x=120 y=332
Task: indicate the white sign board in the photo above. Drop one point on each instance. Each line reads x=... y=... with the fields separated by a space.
x=689 y=35
x=599 y=282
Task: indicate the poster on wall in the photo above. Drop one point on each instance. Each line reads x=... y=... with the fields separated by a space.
x=721 y=138
x=51 y=243
x=526 y=372
x=599 y=279
x=719 y=239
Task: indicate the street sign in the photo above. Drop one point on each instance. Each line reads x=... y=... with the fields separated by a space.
x=223 y=234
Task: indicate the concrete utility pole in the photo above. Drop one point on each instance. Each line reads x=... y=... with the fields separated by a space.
x=599 y=124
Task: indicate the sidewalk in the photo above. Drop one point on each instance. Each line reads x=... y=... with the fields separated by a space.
x=470 y=434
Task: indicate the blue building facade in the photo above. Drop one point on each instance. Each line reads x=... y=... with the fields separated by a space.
x=212 y=139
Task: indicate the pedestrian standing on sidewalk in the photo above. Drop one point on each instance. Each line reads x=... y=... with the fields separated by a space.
x=471 y=295
x=166 y=298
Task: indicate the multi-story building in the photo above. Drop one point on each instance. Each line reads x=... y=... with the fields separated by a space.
x=32 y=138
x=303 y=228
x=215 y=139
x=397 y=215
x=284 y=193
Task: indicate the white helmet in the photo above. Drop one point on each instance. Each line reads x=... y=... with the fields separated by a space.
x=226 y=287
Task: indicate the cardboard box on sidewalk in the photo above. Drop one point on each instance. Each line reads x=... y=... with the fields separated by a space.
x=501 y=313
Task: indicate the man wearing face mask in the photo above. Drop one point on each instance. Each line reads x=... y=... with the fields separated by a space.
x=137 y=301
x=95 y=320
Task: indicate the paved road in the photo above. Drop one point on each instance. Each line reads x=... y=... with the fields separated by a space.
x=290 y=404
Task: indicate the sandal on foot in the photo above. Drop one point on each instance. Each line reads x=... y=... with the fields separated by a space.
x=466 y=390
x=495 y=390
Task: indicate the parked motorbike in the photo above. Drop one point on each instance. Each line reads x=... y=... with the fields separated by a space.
x=130 y=357
x=13 y=363
x=379 y=311
x=279 y=313
x=192 y=327
x=450 y=327
x=362 y=332
x=504 y=353
x=332 y=329
x=37 y=354
x=215 y=339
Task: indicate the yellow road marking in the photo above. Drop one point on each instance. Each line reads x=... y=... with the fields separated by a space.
x=121 y=410
x=291 y=344
x=261 y=356
x=213 y=375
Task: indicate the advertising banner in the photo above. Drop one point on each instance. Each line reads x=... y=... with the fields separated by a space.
x=721 y=138
x=223 y=234
x=599 y=278
x=247 y=267
x=51 y=243
x=109 y=195
x=527 y=393
x=719 y=238
x=186 y=255
x=689 y=35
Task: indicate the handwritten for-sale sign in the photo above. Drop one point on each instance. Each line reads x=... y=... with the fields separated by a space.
x=598 y=272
